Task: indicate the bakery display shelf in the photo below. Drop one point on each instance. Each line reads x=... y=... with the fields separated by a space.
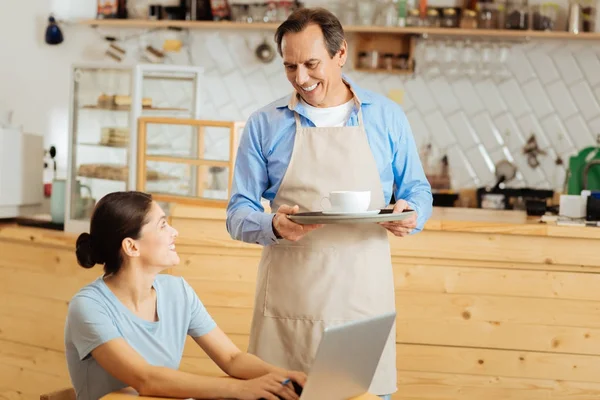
x=116 y=172
x=124 y=146
x=128 y=108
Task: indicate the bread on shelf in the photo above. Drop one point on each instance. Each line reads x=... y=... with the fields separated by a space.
x=116 y=172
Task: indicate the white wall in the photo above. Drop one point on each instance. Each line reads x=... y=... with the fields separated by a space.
x=552 y=89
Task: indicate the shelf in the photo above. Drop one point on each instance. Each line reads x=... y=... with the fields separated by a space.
x=127 y=108
x=385 y=71
x=118 y=146
x=500 y=33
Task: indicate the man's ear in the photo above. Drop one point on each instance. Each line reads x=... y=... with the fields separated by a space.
x=343 y=52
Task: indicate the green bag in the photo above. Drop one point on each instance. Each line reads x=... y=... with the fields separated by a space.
x=577 y=165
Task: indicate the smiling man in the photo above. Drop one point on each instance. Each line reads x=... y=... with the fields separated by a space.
x=329 y=134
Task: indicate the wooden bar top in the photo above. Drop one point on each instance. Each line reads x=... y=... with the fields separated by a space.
x=130 y=394
x=471 y=220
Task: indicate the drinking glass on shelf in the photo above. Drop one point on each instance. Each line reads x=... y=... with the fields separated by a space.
x=366 y=12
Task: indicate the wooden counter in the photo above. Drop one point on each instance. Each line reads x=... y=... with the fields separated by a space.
x=490 y=304
x=130 y=394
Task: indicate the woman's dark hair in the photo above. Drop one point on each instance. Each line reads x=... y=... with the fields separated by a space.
x=333 y=33
x=117 y=216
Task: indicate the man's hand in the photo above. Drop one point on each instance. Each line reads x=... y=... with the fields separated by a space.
x=288 y=229
x=404 y=227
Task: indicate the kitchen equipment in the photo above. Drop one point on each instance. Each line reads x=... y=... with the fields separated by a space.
x=592 y=212
x=265 y=52
x=500 y=197
x=82 y=205
x=584 y=171
x=572 y=206
x=21 y=172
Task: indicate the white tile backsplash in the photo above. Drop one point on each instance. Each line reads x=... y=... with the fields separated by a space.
x=463 y=172
x=567 y=65
x=467 y=96
x=517 y=104
x=557 y=133
x=442 y=136
x=444 y=96
x=510 y=132
x=487 y=132
x=538 y=98
x=580 y=132
x=239 y=92
x=215 y=44
x=463 y=130
x=482 y=164
x=590 y=64
x=418 y=127
x=259 y=88
x=532 y=176
x=585 y=100
x=530 y=125
x=543 y=65
x=561 y=99
x=216 y=88
x=491 y=97
x=421 y=95
x=520 y=66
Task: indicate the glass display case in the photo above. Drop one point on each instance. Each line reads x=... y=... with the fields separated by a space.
x=106 y=102
x=197 y=169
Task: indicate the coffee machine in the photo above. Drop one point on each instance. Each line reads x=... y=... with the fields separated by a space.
x=21 y=172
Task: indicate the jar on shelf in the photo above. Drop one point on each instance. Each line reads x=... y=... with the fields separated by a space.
x=372 y=60
x=363 y=60
x=544 y=16
x=588 y=15
x=413 y=18
x=468 y=19
x=449 y=18
x=432 y=19
x=401 y=61
x=517 y=14
x=388 y=61
x=488 y=16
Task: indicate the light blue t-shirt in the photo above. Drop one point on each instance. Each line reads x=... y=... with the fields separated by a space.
x=96 y=316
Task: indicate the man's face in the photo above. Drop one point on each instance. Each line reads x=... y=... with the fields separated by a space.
x=309 y=68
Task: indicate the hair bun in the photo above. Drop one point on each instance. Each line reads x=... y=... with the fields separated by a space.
x=84 y=251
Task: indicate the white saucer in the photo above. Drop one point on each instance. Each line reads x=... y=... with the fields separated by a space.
x=352 y=214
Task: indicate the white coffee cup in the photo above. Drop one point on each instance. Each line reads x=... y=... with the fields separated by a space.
x=347 y=201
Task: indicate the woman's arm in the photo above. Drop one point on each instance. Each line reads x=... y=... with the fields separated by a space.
x=238 y=364
x=124 y=363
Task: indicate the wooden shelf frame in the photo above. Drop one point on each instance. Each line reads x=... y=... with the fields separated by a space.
x=225 y=25
x=235 y=128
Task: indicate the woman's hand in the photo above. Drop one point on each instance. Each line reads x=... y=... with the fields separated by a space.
x=269 y=387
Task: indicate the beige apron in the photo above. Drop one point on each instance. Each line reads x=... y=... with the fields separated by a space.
x=334 y=274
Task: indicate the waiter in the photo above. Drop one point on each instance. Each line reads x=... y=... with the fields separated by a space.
x=329 y=134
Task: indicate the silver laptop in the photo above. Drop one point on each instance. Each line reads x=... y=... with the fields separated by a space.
x=347 y=358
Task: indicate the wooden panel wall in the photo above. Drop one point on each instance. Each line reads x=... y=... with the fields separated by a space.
x=480 y=316
x=36 y=283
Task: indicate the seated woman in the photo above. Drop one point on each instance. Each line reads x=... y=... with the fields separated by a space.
x=128 y=327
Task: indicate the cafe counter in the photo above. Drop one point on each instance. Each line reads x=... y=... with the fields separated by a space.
x=491 y=304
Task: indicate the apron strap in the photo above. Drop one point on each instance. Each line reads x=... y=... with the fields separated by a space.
x=360 y=117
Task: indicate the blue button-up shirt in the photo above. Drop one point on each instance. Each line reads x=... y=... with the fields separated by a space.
x=266 y=146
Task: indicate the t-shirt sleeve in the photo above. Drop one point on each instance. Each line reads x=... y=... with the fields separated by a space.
x=201 y=322
x=89 y=325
